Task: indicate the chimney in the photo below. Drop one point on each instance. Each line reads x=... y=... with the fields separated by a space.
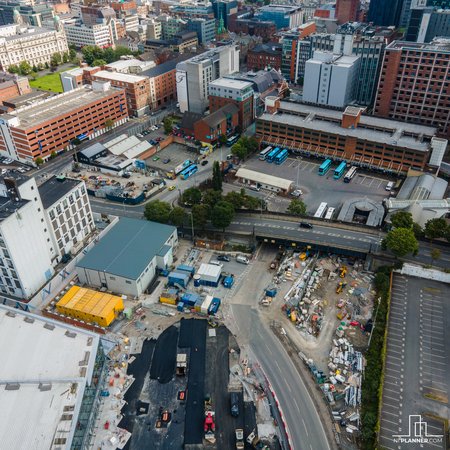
x=351 y=117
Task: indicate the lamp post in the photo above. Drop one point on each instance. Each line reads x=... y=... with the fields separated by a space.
x=192 y=225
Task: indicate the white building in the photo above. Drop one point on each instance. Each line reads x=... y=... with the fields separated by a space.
x=194 y=75
x=80 y=35
x=125 y=260
x=47 y=375
x=154 y=29
x=34 y=45
x=330 y=79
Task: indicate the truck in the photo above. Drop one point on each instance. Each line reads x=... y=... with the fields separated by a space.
x=239 y=438
x=181 y=364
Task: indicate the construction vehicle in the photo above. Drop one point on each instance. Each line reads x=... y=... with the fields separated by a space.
x=181 y=364
x=305 y=253
x=209 y=425
x=253 y=439
x=239 y=438
x=343 y=271
x=340 y=287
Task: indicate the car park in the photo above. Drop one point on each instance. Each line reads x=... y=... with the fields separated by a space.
x=216 y=263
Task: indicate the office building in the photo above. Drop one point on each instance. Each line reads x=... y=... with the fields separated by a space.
x=413 y=86
x=34 y=45
x=223 y=9
x=330 y=79
x=224 y=91
x=154 y=29
x=12 y=86
x=194 y=75
x=205 y=29
x=385 y=12
x=284 y=16
x=360 y=140
x=51 y=125
x=190 y=10
x=266 y=29
x=346 y=11
x=426 y=23
x=33 y=14
x=180 y=43
x=81 y=35
x=171 y=26
x=264 y=56
x=125 y=260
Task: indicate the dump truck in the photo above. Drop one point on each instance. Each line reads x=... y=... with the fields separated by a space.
x=239 y=438
x=181 y=364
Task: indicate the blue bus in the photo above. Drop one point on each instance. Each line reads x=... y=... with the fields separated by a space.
x=271 y=156
x=281 y=157
x=188 y=172
x=339 y=171
x=325 y=167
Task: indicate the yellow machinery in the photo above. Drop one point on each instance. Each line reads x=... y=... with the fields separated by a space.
x=340 y=287
x=90 y=306
x=343 y=271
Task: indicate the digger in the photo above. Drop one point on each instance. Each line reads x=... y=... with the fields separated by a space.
x=340 y=287
x=343 y=271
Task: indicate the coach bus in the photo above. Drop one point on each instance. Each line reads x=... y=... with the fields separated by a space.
x=325 y=167
x=281 y=157
x=321 y=210
x=188 y=172
x=329 y=214
x=232 y=140
x=271 y=156
x=339 y=171
x=263 y=154
x=350 y=174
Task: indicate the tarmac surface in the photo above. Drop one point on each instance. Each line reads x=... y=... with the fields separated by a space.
x=165 y=356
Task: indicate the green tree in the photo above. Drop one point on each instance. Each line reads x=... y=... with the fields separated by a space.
x=120 y=50
x=417 y=230
x=39 y=161
x=177 y=216
x=297 y=207
x=46 y=66
x=222 y=215
x=402 y=219
x=53 y=155
x=33 y=75
x=251 y=202
x=192 y=196
x=157 y=211
x=99 y=62
x=239 y=150
x=436 y=228
x=72 y=53
x=57 y=57
x=222 y=139
x=40 y=67
x=237 y=199
x=217 y=177
x=200 y=215
x=401 y=241
x=91 y=53
x=66 y=58
x=13 y=68
x=168 y=125
x=109 y=123
x=24 y=68
x=211 y=197
x=435 y=254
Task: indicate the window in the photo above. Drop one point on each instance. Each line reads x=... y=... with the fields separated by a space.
x=128 y=281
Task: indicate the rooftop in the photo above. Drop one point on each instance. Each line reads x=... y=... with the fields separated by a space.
x=128 y=248
x=46 y=366
x=119 y=76
x=273 y=48
x=30 y=33
x=220 y=115
x=93 y=150
x=370 y=128
x=9 y=207
x=125 y=64
x=164 y=67
x=55 y=188
x=438 y=44
x=34 y=115
x=263 y=178
x=230 y=83
x=280 y=8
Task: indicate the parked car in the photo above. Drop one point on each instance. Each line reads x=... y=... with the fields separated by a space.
x=166 y=161
x=305 y=225
x=172 y=188
x=155 y=158
x=204 y=162
x=223 y=258
x=297 y=193
x=242 y=259
x=216 y=263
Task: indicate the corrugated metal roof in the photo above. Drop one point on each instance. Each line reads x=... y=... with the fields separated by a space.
x=263 y=178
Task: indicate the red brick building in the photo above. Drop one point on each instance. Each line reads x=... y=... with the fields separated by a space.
x=12 y=86
x=264 y=55
x=413 y=84
x=221 y=122
x=51 y=125
x=253 y=27
x=346 y=11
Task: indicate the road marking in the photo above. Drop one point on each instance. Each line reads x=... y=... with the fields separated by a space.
x=306 y=429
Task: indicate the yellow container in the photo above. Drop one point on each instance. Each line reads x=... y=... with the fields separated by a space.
x=168 y=300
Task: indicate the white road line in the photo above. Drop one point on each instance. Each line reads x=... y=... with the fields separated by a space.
x=306 y=429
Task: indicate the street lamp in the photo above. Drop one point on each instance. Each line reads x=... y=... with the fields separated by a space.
x=192 y=225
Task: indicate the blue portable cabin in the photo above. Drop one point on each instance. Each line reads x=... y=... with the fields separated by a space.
x=214 y=307
x=271 y=292
x=180 y=306
x=190 y=298
x=185 y=268
x=180 y=278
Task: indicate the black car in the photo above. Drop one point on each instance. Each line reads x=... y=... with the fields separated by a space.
x=305 y=225
x=223 y=258
x=204 y=162
x=234 y=403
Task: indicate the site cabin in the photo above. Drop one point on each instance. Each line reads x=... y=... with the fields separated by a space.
x=181 y=364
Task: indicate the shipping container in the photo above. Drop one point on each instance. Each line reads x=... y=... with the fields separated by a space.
x=189 y=298
x=180 y=306
x=168 y=300
x=272 y=292
x=188 y=269
x=198 y=305
x=180 y=278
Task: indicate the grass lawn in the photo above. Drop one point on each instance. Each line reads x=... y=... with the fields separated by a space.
x=50 y=82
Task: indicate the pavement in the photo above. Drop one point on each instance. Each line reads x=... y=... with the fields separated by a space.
x=416 y=383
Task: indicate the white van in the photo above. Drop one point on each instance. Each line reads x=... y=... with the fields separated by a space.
x=389 y=186
x=242 y=259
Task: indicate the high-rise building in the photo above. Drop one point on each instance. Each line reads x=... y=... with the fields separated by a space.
x=346 y=11
x=385 y=12
x=413 y=86
x=264 y=56
x=426 y=23
x=205 y=29
x=80 y=35
x=284 y=16
x=194 y=75
x=223 y=9
x=29 y=14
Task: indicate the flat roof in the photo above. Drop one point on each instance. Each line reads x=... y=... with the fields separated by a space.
x=9 y=207
x=119 y=76
x=438 y=44
x=259 y=177
x=92 y=150
x=329 y=121
x=210 y=270
x=230 y=83
x=128 y=248
x=58 y=105
x=59 y=356
x=55 y=188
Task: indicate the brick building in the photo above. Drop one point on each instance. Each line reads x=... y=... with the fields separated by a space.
x=365 y=141
x=346 y=11
x=12 y=86
x=413 y=84
x=264 y=55
x=50 y=125
x=253 y=27
x=221 y=122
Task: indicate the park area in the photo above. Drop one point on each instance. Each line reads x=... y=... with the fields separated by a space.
x=49 y=82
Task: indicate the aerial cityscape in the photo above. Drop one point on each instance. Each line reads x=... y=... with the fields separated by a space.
x=225 y=224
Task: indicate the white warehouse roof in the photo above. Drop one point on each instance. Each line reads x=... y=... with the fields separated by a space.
x=209 y=271
x=258 y=177
x=45 y=368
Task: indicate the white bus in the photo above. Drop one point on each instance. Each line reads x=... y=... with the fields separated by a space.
x=321 y=210
x=329 y=214
x=264 y=153
x=350 y=174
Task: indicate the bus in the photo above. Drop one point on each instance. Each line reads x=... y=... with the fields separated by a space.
x=321 y=210
x=232 y=140
x=263 y=154
x=339 y=171
x=188 y=172
x=329 y=214
x=175 y=172
x=350 y=174
x=325 y=167
x=281 y=157
x=271 y=156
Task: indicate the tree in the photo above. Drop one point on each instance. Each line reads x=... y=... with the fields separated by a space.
x=24 y=68
x=33 y=75
x=72 y=52
x=66 y=58
x=401 y=241
x=157 y=211
x=200 y=215
x=99 y=62
x=436 y=228
x=192 y=196
x=222 y=139
x=177 y=216
x=237 y=199
x=57 y=57
x=402 y=219
x=297 y=207
x=53 y=155
x=435 y=254
x=13 y=68
x=39 y=161
x=222 y=215
x=91 y=53
x=40 y=67
x=217 y=177
x=211 y=197
x=168 y=125
x=417 y=230
x=252 y=202
x=239 y=150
